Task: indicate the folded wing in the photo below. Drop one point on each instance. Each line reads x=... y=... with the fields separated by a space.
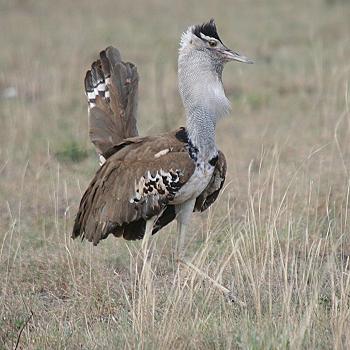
x=136 y=183
x=211 y=192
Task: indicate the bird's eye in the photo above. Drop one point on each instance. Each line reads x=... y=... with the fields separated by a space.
x=212 y=43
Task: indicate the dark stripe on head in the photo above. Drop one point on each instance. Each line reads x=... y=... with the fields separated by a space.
x=208 y=29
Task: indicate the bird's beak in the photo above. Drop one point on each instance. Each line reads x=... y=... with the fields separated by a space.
x=234 y=56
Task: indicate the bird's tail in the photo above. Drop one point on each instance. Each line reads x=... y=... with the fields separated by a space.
x=111 y=88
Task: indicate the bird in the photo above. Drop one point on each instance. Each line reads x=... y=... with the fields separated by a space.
x=146 y=182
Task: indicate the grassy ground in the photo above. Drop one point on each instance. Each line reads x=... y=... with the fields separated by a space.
x=279 y=234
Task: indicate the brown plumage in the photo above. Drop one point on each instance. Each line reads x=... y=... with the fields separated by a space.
x=109 y=204
x=141 y=176
x=112 y=109
x=211 y=192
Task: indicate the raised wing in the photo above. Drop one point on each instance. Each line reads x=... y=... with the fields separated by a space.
x=111 y=87
x=135 y=183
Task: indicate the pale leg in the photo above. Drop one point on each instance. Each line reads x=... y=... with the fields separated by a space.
x=184 y=212
x=148 y=234
x=146 y=272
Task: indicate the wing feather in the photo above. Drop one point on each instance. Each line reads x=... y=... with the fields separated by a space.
x=133 y=186
x=211 y=192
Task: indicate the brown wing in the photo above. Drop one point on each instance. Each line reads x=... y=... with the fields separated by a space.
x=135 y=183
x=111 y=87
x=211 y=192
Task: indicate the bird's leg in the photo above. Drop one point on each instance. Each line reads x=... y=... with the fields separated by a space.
x=148 y=233
x=146 y=272
x=181 y=230
x=184 y=214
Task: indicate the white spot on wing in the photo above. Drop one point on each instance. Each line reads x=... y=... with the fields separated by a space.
x=161 y=153
x=101 y=87
x=102 y=159
x=91 y=95
x=162 y=179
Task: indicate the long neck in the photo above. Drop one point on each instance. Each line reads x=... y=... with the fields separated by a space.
x=203 y=97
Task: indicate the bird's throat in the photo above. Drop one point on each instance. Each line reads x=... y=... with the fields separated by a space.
x=201 y=133
x=203 y=98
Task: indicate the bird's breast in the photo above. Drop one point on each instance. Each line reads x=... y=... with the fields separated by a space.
x=196 y=183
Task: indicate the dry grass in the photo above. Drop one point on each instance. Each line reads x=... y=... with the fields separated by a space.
x=278 y=236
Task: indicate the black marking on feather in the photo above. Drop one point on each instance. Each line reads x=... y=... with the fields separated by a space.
x=208 y=29
x=88 y=82
x=182 y=136
x=161 y=183
x=214 y=160
x=160 y=191
x=167 y=216
x=95 y=80
x=165 y=180
x=193 y=151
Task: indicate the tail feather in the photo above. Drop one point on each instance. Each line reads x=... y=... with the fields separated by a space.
x=111 y=87
x=105 y=66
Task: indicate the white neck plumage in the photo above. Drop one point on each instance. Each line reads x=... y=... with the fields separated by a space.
x=203 y=97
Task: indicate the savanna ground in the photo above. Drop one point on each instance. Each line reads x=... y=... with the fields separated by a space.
x=278 y=235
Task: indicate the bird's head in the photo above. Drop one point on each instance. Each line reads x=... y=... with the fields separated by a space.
x=205 y=39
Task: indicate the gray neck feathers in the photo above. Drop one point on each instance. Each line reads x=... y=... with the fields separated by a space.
x=203 y=97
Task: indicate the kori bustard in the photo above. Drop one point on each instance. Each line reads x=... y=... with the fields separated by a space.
x=144 y=183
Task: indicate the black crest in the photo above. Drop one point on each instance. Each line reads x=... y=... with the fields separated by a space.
x=208 y=29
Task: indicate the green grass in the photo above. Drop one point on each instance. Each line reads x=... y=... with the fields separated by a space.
x=279 y=234
x=71 y=152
